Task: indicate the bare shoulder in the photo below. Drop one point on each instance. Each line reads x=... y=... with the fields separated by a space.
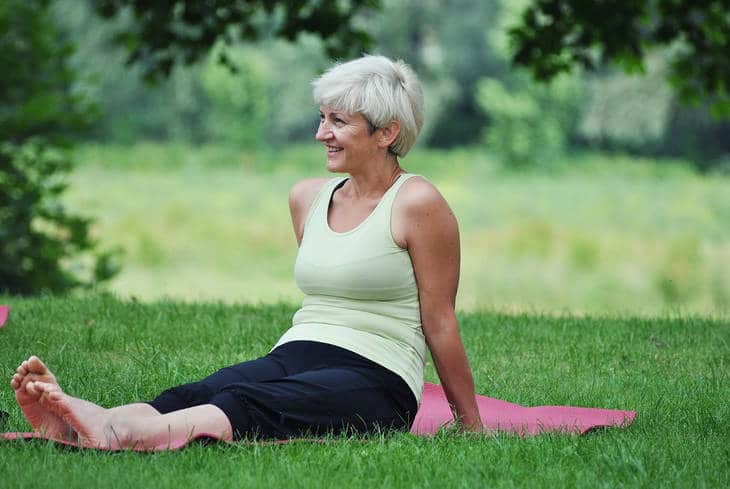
x=419 y=207
x=304 y=191
x=419 y=189
x=418 y=195
x=301 y=197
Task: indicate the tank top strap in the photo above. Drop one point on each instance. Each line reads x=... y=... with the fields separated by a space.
x=322 y=200
x=389 y=197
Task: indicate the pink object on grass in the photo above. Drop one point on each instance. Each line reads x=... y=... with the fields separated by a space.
x=435 y=413
x=507 y=417
x=3 y=315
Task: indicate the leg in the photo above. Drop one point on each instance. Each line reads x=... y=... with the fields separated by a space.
x=97 y=427
x=43 y=421
x=135 y=409
x=33 y=373
x=333 y=400
x=201 y=392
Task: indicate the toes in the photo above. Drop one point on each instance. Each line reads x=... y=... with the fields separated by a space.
x=40 y=387
x=36 y=366
x=37 y=388
x=50 y=395
x=23 y=368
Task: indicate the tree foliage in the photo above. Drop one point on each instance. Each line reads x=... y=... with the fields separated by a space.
x=530 y=124
x=628 y=112
x=239 y=104
x=167 y=32
x=556 y=35
x=39 y=238
x=453 y=45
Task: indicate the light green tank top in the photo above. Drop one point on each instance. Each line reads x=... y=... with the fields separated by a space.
x=360 y=289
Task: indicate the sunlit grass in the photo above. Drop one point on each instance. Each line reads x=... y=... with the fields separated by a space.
x=600 y=234
x=674 y=371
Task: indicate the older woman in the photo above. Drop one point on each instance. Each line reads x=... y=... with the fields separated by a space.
x=379 y=264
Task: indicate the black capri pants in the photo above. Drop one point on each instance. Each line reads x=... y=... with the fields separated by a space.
x=301 y=388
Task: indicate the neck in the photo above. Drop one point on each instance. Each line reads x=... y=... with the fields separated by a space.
x=376 y=179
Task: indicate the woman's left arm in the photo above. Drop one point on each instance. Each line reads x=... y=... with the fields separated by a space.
x=425 y=224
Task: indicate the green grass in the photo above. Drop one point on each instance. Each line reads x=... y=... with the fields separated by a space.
x=598 y=235
x=672 y=370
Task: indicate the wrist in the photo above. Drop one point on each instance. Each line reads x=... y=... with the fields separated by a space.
x=471 y=423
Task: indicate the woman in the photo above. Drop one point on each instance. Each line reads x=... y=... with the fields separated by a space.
x=379 y=264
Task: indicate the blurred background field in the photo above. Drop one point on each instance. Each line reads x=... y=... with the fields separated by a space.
x=597 y=234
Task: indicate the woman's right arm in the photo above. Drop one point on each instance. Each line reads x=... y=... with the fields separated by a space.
x=301 y=197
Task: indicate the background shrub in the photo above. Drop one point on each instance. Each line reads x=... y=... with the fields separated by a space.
x=40 y=241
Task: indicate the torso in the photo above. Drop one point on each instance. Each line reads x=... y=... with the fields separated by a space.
x=346 y=213
x=360 y=287
x=343 y=217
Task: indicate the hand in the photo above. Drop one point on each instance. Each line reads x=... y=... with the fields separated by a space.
x=473 y=425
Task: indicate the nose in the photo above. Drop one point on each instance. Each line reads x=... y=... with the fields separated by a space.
x=323 y=132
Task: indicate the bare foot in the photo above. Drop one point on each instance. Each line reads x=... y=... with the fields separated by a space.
x=90 y=423
x=43 y=421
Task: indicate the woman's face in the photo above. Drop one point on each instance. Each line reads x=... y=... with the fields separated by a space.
x=350 y=146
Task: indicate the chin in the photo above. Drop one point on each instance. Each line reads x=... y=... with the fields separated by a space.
x=335 y=166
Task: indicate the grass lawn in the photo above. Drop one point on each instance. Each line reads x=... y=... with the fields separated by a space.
x=673 y=371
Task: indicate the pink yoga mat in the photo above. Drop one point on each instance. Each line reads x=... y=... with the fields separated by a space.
x=435 y=413
x=3 y=315
x=507 y=417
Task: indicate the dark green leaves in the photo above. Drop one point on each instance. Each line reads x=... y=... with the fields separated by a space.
x=167 y=32
x=557 y=35
x=43 y=247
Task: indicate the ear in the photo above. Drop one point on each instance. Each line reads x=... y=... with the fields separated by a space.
x=388 y=134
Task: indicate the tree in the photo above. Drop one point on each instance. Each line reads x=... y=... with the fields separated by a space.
x=167 y=32
x=557 y=35
x=239 y=105
x=530 y=124
x=39 y=110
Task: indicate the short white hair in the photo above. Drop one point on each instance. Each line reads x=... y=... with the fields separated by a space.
x=381 y=89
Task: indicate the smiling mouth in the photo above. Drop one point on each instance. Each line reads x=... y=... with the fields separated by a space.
x=333 y=149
